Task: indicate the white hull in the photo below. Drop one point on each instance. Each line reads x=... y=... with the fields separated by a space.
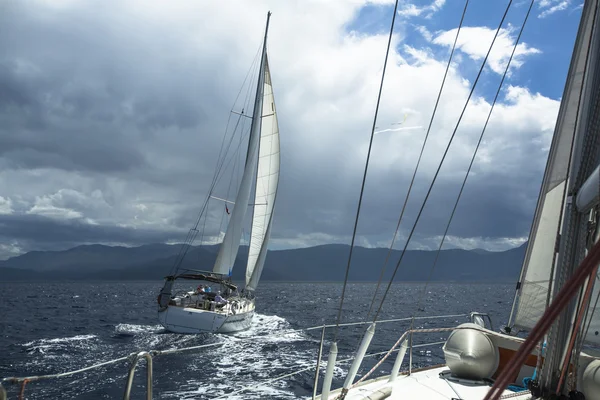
x=190 y=319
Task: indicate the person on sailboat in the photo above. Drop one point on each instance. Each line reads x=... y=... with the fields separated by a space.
x=220 y=300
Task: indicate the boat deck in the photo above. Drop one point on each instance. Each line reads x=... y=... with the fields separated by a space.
x=423 y=384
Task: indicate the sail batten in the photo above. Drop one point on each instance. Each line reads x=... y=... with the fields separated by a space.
x=267 y=180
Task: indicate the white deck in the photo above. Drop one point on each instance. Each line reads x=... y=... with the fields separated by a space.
x=423 y=384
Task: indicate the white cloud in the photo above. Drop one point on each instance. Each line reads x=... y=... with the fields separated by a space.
x=57 y=205
x=424 y=32
x=475 y=42
x=6 y=205
x=411 y=10
x=318 y=238
x=8 y=250
x=490 y=244
x=549 y=7
x=578 y=7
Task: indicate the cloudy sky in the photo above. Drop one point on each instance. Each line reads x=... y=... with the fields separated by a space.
x=112 y=114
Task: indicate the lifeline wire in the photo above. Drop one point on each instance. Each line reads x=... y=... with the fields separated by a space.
x=362 y=188
x=387 y=257
x=440 y=165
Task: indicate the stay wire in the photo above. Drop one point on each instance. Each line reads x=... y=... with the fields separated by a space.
x=389 y=253
x=237 y=157
x=472 y=162
x=192 y=233
x=221 y=156
x=589 y=320
x=362 y=188
x=440 y=165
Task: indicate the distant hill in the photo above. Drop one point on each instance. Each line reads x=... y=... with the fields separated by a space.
x=320 y=263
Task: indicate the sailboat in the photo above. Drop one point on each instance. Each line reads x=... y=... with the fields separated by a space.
x=557 y=288
x=556 y=295
x=228 y=309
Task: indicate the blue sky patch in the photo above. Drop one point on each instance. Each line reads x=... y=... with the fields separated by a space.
x=551 y=29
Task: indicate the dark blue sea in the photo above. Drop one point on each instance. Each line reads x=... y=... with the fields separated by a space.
x=54 y=327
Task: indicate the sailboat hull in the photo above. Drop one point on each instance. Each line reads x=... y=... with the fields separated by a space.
x=192 y=320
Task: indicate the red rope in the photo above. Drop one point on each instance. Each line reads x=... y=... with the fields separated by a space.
x=587 y=267
x=584 y=304
x=22 y=391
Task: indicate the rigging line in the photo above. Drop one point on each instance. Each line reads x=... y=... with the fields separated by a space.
x=190 y=235
x=581 y=333
x=203 y=230
x=387 y=257
x=440 y=165
x=241 y=165
x=589 y=266
x=218 y=170
x=556 y=280
x=587 y=316
x=222 y=155
x=250 y=70
x=362 y=188
x=194 y=232
x=249 y=91
x=237 y=155
x=233 y=171
x=472 y=162
x=263 y=73
x=217 y=176
x=589 y=321
x=591 y=316
x=241 y=124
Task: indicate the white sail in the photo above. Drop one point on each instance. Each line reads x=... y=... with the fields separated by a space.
x=267 y=179
x=537 y=271
x=231 y=242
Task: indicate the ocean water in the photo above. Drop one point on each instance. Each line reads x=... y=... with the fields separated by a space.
x=54 y=327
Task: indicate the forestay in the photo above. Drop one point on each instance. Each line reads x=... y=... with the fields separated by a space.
x=267 y=179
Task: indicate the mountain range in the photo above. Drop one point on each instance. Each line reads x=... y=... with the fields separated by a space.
x=319 y=263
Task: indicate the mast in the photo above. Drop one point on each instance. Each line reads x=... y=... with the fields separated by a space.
x=231 y=242
x=562 y=232
x=534 y=289
x=267 y=179
x=261 y=73
x=577 y=233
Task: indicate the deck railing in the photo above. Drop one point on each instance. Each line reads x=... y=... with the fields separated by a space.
x=150 y=356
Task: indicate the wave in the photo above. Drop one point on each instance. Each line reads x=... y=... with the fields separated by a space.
x=133 y=329
x=269 y=348
x=46 y=345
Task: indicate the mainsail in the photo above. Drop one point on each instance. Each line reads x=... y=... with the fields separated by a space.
x=231 y=242
x=536 y=274
x=267 y=179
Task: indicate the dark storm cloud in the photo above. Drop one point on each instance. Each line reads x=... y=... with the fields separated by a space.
x=127 y=111
x=84 y=97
